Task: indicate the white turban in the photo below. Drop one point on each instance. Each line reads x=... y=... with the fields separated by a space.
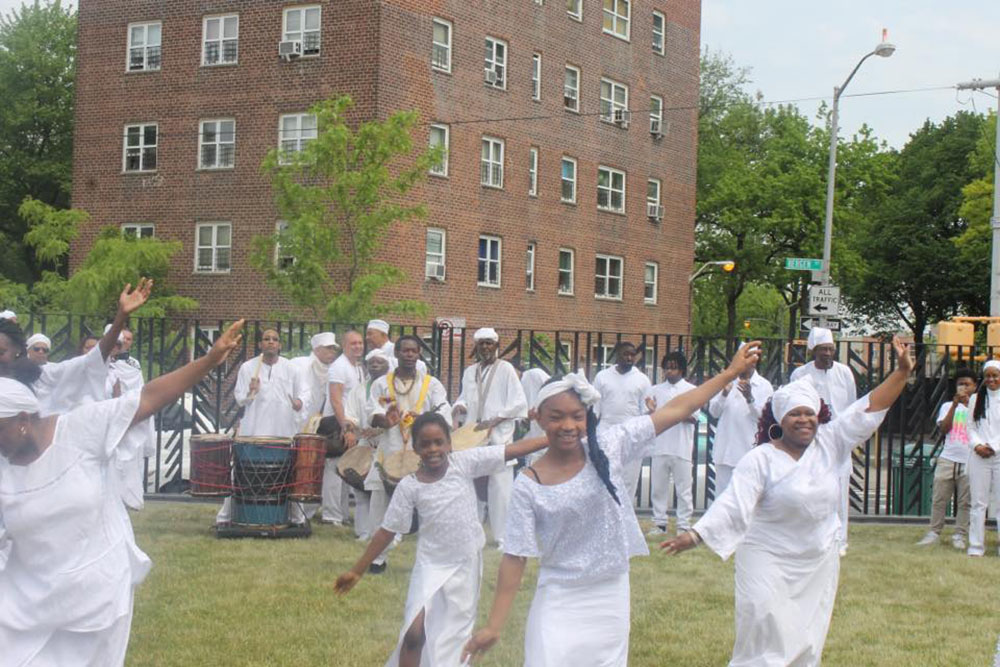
x=818 y=336
x=377 y=353
x=992 y=363
x=801 y=393
x=121 y=334
x=571 y=381
x=8 y=315
x=379 y=325
x=39 y=338
x=323 y=340
x=486 y=333
x=16 y=398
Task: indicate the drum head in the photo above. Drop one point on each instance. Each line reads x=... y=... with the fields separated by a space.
x=468 y=437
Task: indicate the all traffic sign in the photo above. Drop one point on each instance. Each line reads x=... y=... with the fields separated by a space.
x=803 y=264
x=824 y=301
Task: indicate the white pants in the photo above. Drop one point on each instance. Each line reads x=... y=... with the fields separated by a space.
x=56 y=648
x=335 y=494
x=362 y=504
x=632 y=473
x=497 y=499
x=663 y=470
x=378 y=503
x=723 y=474
x=843 y=509
x=984 y=488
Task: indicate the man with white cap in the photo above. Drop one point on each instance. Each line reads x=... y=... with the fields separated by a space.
x=314 y=372
x=8 y=315
x=493 y=398
x=377 y=338
x=39 y=345
x=346 y=373
x=835 y=383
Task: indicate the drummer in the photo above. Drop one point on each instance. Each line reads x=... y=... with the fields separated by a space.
x=395 y=400
x=314 y=370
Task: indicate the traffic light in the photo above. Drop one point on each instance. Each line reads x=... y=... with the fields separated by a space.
x=746 y=324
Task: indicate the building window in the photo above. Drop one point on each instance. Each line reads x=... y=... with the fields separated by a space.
x=221 y=40
x=140 y=148
x=496 y=63
x=138 y=230
x=441 y=46
x=489 y=261
x=434 y=254
x=656 y=116
x=536 y=76
x=295 y=130
x=439 y=137
x=610 y=189
x=532 y=172
x=575 y=9
x=217 y=144
x=653 y=208
x=608 y=277
x=565 y=283
x=144 y=47
x=650 y=278
x=282 y=260
x=302 y=24
x=616 y=17
x=571 y=88
x=529 y=268
x=213 y=247
x=568 y=175
x=491 y=164
x=614 y=101
x=659 y=23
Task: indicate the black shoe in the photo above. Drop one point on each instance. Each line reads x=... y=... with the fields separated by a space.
x=375 y=568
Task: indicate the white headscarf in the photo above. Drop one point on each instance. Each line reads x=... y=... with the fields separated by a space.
x=38 y=338
x=377 y=353
x=8 y=315
x=486 y=333
x=992 y=363
x=818 y=336
x=379 y=325
x=16 y=398
x=801 y=393
x=571 y=381
x=323 y=339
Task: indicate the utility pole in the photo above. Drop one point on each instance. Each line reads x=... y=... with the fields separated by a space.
x=980 y=84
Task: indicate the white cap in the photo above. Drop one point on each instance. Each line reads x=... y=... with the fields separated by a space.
x=39 y=338
x=379 y=325
x=486 y=333
x=819 y=336
x=8 y=315
x=121 y=337
x=323 y=339
x=377 y=353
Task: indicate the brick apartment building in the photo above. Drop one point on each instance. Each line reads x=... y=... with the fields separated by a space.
x=567 y=198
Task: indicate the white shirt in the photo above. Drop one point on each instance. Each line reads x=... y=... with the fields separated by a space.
x=531 y=381
x=736 y=431
x=502 y=396
x=69 y=384
x=313 y=385
x=621 y=394
x=378 y=401
x=342 y=371
x=957 y=442
x=357 y=410
x=986 y=431
x=576 y=528
x=450 y=530
x=836 y=386
x=678 y=440
x=269 y=411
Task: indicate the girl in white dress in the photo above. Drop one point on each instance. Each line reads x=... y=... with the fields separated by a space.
x=567 y=510
x=444 y=585
x=68 y=558
x=984 y=464
x=779 y=515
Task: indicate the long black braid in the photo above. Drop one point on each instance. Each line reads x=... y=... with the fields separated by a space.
x=982 y=401
x=22 y=369
x=597 y=455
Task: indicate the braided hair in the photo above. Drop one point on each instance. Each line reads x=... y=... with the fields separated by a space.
x=767 y=420
x=22 y=369
x=982 y=401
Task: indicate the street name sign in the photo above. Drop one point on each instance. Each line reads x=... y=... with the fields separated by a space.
x=824 y=301
x=803 y=264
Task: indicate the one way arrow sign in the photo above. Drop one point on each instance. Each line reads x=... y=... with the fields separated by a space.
x=807 y=323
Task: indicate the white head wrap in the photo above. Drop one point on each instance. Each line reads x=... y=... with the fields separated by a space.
x=121 y=334
x=575 y=381
x=38 y=338
x=379 y=325
x=377 y=353
x=323 y=339
x=486 y=333
x=992 y=363
x=16 y=398
x=818 y=336
x=801 y=393
x=8 y=315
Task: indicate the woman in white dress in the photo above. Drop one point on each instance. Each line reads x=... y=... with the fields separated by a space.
x=567 y=510
x=68 y=558
x=444 y=585
x=779 y=515
x=984 y=464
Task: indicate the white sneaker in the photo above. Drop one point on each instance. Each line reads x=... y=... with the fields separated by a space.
x=843 y=550
x=930 y=538
x=958 y=541
x=657 y=530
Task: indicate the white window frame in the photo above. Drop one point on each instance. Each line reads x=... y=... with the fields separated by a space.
x=607 y=276
x=577 y=14
x=656 y=115
x=576 y=91
x=136 y=230
x=603 y=355
x=145 y=46
x=653 y=201
x=617 y=19
x=533 y=171
x=441 y=169
x=142 y=147
x=609 y=105
x=280 y=226
x=441 y=47
x=220 y=41
x=563 y=180
x=490 y=239
x=646 y=283
x=610 y=189
x=497 y=64
x=560 y=271
x=435 y=258
x=287 y=35
x=218 y=143
x=529 y=266
x=491 y=168
x=536 y=76
x=661 y=33
x=300 y=140
x=215 y=247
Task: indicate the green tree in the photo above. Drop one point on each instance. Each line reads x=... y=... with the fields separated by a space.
x=975 y=243
x=338 y=197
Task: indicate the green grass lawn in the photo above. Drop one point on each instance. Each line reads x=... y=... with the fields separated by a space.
x=270 y=602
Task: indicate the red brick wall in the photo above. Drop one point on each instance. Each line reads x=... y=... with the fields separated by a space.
x=380 y=54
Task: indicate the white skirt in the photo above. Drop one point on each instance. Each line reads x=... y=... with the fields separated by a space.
x=41 y=648
x=783 y=608
x=579 y=624
x=449 y=597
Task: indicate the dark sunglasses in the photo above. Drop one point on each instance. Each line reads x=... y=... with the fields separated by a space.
x=39 y=348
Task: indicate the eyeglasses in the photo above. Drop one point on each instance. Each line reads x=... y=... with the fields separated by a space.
x=39 y=348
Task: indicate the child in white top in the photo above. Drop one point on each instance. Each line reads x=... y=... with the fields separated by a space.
x=984 y=464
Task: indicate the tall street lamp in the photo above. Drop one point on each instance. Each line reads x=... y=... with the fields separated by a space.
x=884 y=50
x=727 y=265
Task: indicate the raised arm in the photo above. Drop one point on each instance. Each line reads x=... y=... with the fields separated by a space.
x=516 y=450
x=508 y=583
x=128 y=302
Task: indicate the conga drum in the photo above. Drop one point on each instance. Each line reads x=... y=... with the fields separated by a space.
x=467 y=437
x=262 y=470
x=211 y=464
x=307 y=472
x=355 y=464
x=396 y=466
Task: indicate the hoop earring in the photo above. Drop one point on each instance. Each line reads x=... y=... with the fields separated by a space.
x=770 y=432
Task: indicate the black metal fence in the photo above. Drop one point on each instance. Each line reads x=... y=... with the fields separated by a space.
x=892 y=471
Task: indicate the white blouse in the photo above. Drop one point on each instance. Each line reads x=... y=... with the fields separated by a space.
x=576 y=528
x=986 y=431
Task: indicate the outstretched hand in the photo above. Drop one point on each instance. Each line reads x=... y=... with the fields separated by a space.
x=346 y=582
x=745 y=357
x=227 y=342
x=479 y=644
x=904 y=362
x=131 y=299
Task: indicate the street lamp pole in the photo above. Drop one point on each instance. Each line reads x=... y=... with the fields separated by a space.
x=727 y=265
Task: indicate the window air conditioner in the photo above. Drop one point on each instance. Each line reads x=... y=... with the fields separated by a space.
x=289 y=49
x=491 y=76
x=656 y=127
x=434 y=271
x=622 y=117
x=654 y=211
